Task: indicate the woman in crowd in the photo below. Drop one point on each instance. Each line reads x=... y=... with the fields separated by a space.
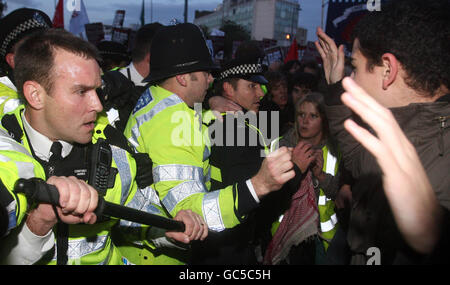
x=308 y=222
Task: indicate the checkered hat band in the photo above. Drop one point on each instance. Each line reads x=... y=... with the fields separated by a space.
x=242 y=70
x=25 y=26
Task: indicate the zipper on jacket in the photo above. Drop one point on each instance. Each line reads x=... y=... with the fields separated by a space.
x=443 y=125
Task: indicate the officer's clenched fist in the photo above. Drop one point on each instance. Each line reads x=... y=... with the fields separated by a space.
x=77 y=204
x=276 y=169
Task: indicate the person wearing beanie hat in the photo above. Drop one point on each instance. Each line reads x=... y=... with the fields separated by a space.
x=167 y=124
x=16 y=26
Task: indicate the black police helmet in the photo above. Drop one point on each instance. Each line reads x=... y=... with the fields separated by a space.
x=177 y=50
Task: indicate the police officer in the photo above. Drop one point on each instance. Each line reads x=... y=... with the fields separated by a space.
x=139 y=68
x=167 y=125
x=114 y=55
x=240 y=82
x=123 y=87
x=15 y=27
x=56 y=134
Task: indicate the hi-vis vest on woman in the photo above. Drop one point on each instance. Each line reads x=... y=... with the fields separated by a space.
x=328 y=218
x=87 y=244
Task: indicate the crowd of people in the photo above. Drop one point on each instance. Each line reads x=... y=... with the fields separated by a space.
x=298 y=164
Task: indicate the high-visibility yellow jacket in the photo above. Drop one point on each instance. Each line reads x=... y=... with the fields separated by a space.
x=88 y=244
x=173 y=134
x=327 y=215
x=9 y=99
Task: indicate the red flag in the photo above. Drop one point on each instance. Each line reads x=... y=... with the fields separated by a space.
x=58 y=18
x=293 y=52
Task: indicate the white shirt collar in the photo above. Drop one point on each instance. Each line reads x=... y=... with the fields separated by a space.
x=7 y=82
x=136 y=77
x=41 y=144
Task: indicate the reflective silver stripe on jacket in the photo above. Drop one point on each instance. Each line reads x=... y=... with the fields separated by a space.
x=181 y=192
x=11 y=105
x=24 y=169
x=206 y=153
x=3 y=99
x=208 y=175
x=211 y=211
x=177 y=172
x=81 y=247
x=323 y=200
x=330 y=169
x=144 y=200
x=121 y=159
x=7 y=143
x=160 y=106
x=329 y=225
x=331 y=164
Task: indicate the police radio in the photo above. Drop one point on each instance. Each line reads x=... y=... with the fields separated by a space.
x=101 y=175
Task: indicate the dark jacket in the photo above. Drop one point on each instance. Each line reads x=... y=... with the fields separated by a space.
x=372 y=224
x=238 y=158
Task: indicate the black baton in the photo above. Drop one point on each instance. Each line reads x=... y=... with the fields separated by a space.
x=39 y=191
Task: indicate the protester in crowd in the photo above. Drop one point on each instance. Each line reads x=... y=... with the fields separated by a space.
x=167 y=125
x=16 y=26
x=277 y=99
x=55 y=69
x=311 y=67
x=386 y=65
x=114 y=55
x=276 y=66
x=301 y=85
x=291 y=67
x=413 y=202
x=308 y=221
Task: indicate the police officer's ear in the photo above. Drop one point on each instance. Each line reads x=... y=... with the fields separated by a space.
x=10 y=60
x=33 y=93
x=182 y=79
x=228 y=90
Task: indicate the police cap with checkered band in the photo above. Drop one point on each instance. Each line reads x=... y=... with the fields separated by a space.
x=243 y=68
x=19 y=23
x=178 y=50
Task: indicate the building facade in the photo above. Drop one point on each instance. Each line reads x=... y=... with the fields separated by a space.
x=263 y=19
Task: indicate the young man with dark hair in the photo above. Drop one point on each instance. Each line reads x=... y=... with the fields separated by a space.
x=139 y=68
x=302 y=84
x=400 y=57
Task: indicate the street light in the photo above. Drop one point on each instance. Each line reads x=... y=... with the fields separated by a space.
x=3 y=7
x=296 y=10
x=185 y=11
x=323 y=6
